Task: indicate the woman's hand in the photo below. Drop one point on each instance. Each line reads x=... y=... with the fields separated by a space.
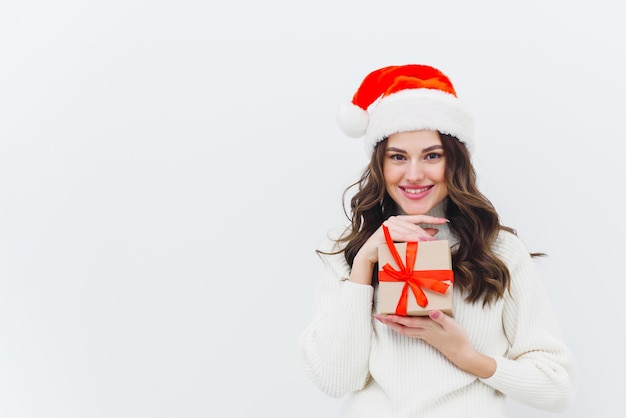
x=403 y=228
x=406 y=228
x=447 y=336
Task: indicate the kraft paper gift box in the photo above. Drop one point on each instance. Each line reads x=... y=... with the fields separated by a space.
x=415 y=278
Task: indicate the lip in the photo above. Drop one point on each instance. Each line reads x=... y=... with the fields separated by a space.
x=416 y=192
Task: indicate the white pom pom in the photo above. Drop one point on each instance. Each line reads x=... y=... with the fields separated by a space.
x=352 y=120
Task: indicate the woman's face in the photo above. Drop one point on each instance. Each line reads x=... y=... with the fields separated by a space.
x=414 y=169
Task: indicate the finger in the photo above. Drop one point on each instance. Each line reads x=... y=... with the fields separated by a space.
x=425 y=219
x=407 y=331
x=406 y=321
x=431 y=231
x=415 y=221
x=414 y=332
x=403 y=231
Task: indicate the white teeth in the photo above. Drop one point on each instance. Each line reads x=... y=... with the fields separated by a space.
x=416 y=191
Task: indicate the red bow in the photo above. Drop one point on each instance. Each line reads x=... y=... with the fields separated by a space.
x=431 y=279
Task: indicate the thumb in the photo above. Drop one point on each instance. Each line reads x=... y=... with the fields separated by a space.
x=437 y=316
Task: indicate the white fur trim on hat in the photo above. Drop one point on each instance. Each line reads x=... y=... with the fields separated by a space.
x=419 y=109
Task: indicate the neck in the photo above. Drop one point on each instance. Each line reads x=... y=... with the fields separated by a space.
x=444 y=230
x=439 y=210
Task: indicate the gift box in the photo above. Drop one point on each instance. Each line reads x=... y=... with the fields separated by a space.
x=414 y=278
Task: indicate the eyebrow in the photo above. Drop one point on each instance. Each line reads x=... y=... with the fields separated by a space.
x=427 y=149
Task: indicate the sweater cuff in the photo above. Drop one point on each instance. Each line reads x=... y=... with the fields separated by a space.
x=504 y=376
x=525 y=383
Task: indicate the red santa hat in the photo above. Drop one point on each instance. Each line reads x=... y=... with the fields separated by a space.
x=405 y=98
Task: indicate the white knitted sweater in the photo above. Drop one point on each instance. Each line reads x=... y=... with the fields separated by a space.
x=382 y=374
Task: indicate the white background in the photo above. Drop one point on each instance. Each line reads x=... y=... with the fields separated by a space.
x=167 y=168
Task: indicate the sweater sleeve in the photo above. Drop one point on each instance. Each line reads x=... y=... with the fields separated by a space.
x=538 y=370
x=334 y=348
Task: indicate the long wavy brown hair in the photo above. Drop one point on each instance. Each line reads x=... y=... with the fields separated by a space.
x=473 y=218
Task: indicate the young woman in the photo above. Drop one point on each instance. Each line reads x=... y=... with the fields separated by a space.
x=503 y=340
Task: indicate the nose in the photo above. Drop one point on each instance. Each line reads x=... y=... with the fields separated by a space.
x=415 y=172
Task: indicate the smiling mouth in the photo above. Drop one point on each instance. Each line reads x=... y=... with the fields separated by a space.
x=416 y=191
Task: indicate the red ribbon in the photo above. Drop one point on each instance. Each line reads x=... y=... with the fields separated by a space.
x=431 y=279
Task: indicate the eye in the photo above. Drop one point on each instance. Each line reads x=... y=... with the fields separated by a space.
x=433 y=156
x=397 y=157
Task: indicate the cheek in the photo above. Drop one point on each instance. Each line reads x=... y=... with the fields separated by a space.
x=389 y=175
x=439 y=175
x=444 y=185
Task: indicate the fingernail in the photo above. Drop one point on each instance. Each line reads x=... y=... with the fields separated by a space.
x=434 y=314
